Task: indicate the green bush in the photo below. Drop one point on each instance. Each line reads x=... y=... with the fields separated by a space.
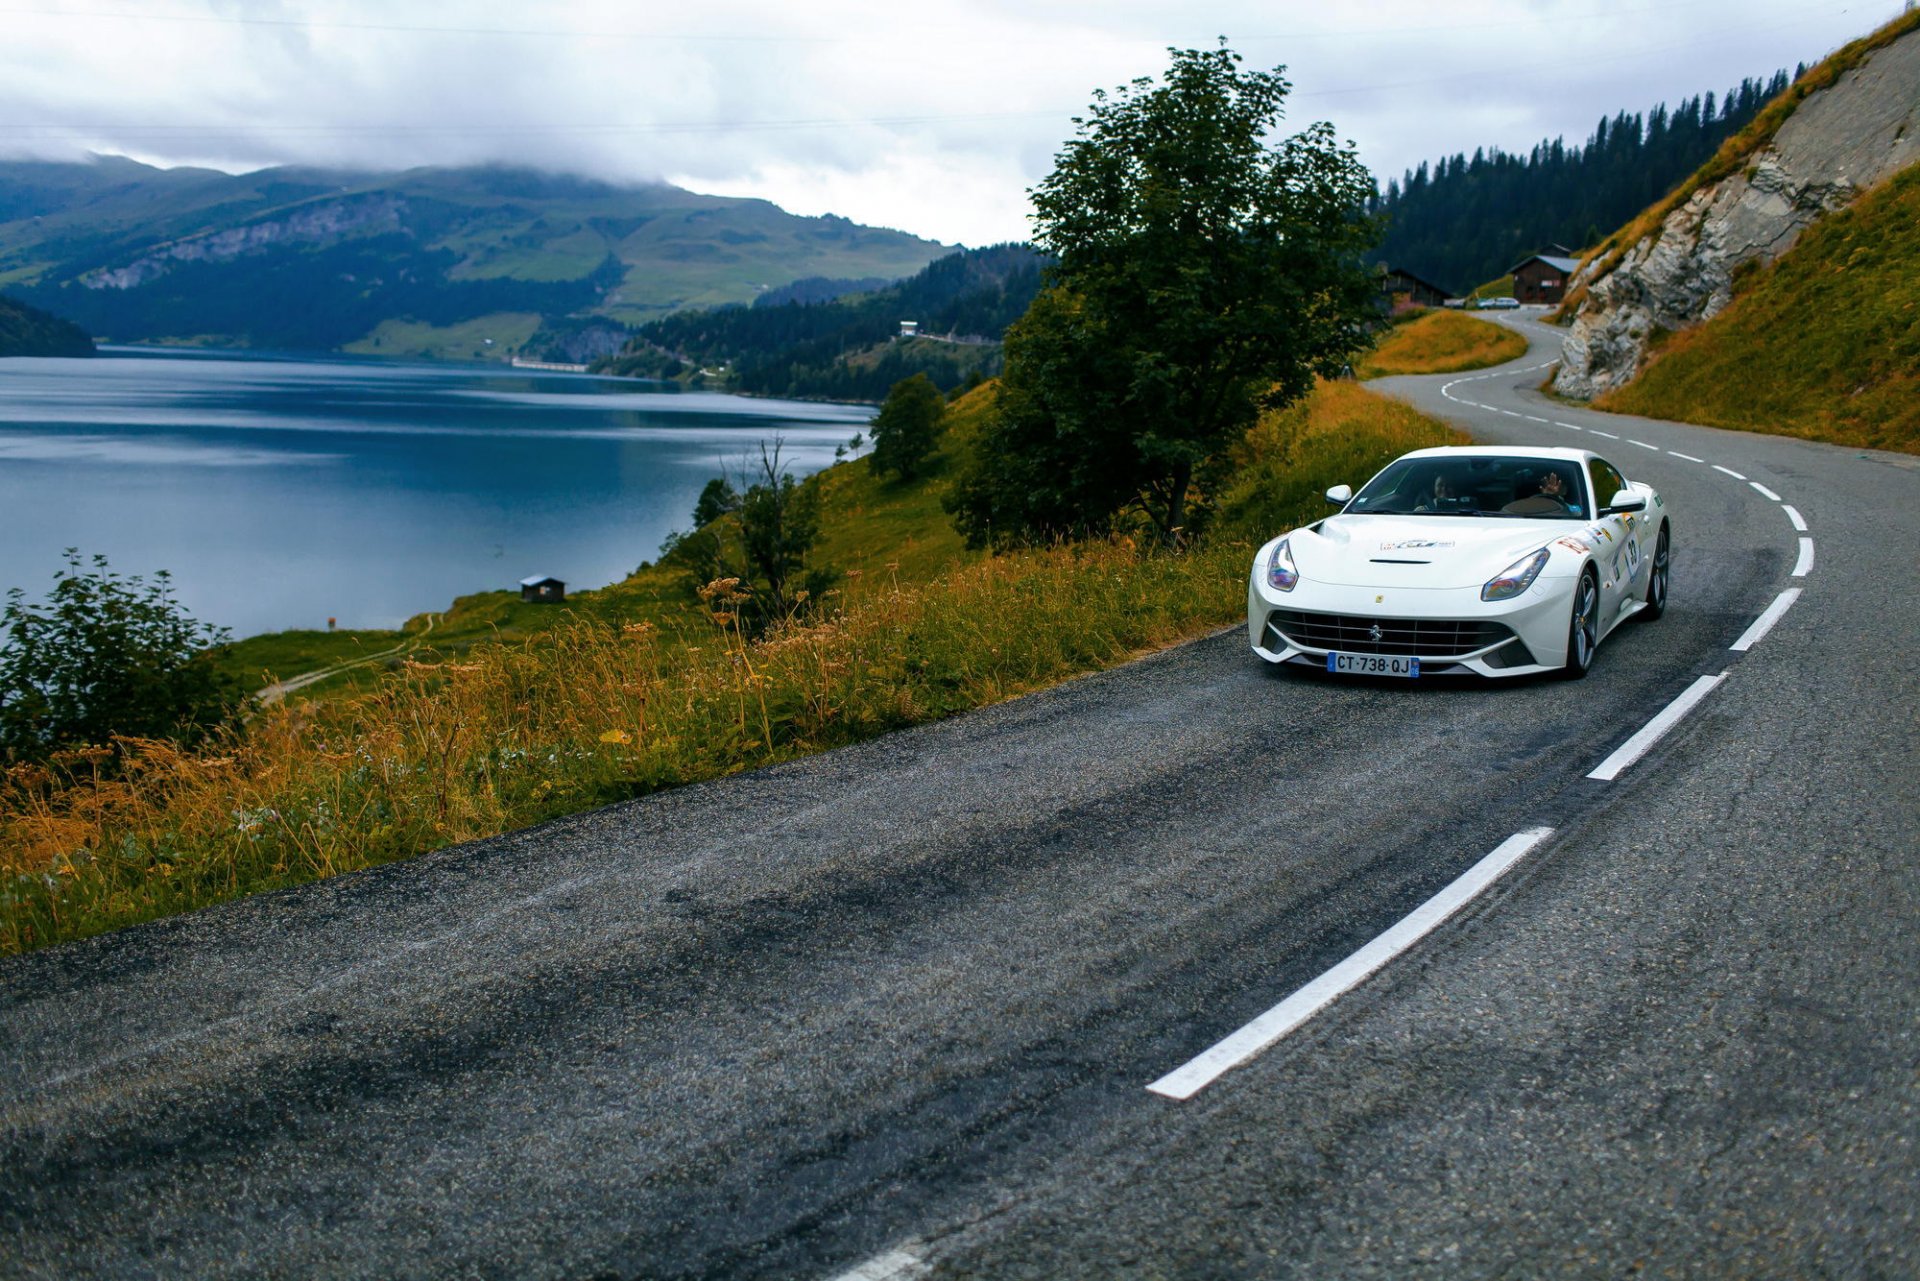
x=105 y=656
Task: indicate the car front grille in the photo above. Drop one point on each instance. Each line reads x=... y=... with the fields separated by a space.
x=1352 y=634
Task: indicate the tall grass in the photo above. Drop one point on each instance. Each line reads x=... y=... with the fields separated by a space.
x=597 y=711
x=1441 y=342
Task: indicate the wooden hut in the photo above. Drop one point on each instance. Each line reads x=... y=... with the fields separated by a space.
x=542 y=589
x=1542 y=278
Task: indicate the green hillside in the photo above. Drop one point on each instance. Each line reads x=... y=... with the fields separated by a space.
x=1824 y=344
x=28 y=331
x=319 y=260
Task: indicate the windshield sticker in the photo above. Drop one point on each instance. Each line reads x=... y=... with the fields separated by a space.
x=1415 y=544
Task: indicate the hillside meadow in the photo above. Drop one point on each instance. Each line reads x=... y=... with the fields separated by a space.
x=470 y=730
x=1440 y=342
x=1824 y=344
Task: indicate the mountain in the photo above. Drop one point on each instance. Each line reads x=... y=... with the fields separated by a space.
x=1463 y=221
x=28 y=331
x=850 y=347
x=429 y=261
x=1842 y=129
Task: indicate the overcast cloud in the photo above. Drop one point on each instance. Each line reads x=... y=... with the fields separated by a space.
x=934 y=116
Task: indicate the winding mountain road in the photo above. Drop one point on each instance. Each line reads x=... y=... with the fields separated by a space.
x=894 y=1011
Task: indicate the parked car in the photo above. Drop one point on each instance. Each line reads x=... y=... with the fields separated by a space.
x=1499 y=304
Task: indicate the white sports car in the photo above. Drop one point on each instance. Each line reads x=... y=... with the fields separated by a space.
x=1492 y=559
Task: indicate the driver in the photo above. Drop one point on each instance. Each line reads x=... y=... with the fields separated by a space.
x=1442 y=491
x=1554 y=497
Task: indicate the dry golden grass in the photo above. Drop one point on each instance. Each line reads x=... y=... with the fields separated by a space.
x=1440 y=342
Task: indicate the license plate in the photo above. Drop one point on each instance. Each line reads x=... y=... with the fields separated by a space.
x=1374 y=664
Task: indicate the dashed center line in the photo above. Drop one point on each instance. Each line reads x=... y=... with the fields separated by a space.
x=1643 y=444
x=1764 y=624
x=1654 y=730
x=894 y=1265
x=1729 y=471
x=1689 y=457
x=1568 y=426
x=1609 y=435
x=1764 y=492
x=1805 y=563
x=1195 y=1075
x=1799 y=521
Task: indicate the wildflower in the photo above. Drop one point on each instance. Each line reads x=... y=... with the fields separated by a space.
x=616 y=736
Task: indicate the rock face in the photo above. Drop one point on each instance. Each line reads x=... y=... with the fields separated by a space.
x=1840 y=141
x=324 y=221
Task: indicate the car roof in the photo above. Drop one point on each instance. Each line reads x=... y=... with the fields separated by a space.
x=1559 y=453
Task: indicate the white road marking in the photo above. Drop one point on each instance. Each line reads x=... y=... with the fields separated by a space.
x=1643 y=444
x=1609 y=435
x=1196 y=1074
x=1766 y=493
x=1511 y=414
x=1805 y=563
x=1568 y=426
x=1799 y=521
x=1689 y=457
x=1533 y=418
x=894 y=1265
x=1654 y=730
x=1730 y=471
x=1764 y=624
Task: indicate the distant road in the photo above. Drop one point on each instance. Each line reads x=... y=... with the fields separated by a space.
x=892 y=1011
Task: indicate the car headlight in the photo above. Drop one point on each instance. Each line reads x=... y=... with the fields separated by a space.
x=1515 y=578
x=1281 y=573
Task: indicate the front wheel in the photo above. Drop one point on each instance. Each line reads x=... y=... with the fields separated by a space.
x=1657 y=579
x=1583 y=628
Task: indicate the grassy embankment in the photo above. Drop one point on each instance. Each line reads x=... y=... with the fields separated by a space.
x=1823 y=344
x=634 y=689
x=1735 y=153
x=1440 y=342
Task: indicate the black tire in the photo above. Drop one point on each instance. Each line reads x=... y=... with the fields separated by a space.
x=1583 y=627
x=1659 y=577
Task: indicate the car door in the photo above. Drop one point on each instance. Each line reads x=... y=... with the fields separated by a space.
x=1621 y=555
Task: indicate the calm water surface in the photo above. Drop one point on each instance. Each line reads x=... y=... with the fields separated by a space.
x=279 y=492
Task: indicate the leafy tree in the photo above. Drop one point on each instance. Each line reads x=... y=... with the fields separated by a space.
x=907 y=427
x=757 y=539
x=106 y=655
x=715 y=501
x=1204 y=271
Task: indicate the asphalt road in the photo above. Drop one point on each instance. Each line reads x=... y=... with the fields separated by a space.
x=892 y=1011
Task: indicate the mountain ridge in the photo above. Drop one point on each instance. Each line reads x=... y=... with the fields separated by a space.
x=147 y=254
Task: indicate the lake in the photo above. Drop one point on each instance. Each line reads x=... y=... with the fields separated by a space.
x=280 y=492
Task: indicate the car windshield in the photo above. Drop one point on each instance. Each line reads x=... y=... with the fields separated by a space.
x=1475 y=485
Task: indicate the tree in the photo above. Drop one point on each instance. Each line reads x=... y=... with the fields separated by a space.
x=106 y=655
x=759 y=537
x=1203 y=272
x=907 y=427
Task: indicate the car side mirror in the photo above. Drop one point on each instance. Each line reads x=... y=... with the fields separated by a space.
x=1339 y=495
x=1627 y=501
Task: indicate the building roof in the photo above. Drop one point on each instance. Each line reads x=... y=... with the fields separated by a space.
x=1567 y=265
x=534 y=580
x=1423 y=283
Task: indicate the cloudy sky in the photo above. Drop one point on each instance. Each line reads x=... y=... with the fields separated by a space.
x=934 y=116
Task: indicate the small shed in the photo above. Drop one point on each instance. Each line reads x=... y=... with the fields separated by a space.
x=909 y=328
x=1542 y=278
x=542 y=589
x=1398 y=282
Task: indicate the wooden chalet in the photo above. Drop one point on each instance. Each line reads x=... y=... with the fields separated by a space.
x=1402 y=289
x=1542 y=278
x=542 y=589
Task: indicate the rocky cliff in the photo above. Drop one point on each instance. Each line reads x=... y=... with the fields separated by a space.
x=1839 y=141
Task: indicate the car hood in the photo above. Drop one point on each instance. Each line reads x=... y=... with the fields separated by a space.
x=1419 y=551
